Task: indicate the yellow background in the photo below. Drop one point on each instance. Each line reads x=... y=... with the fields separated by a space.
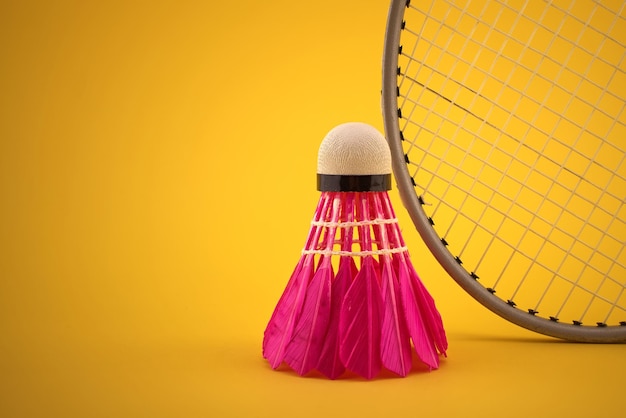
x=157 y=177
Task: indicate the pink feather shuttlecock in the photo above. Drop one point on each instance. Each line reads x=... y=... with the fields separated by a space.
x=337 y=314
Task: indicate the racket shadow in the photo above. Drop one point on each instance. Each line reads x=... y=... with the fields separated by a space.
x=531 y=339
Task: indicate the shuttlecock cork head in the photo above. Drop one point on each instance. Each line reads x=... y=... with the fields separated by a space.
x=354 y=157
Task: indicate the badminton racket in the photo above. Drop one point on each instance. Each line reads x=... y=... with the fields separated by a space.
x=507 y=126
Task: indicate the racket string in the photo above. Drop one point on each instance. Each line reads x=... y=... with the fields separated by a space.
x=486 y=73
x=412 y=144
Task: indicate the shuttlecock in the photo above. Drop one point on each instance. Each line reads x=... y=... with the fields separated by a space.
x=337 y=314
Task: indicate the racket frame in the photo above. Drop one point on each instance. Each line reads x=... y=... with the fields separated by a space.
x=414 y=206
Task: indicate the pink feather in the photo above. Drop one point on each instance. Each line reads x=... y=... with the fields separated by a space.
x=424 y=346
x=429 y=312
x=359 y=323
x=280 y=327
x=330 y=363
x=423 y=320
x=282 y=323
x=303 y=352
x=395 y=346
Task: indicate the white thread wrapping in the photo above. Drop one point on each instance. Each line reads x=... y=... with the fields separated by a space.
x=377 y=221
x=356 y=253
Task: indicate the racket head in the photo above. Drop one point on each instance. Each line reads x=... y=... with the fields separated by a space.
x=409 y=131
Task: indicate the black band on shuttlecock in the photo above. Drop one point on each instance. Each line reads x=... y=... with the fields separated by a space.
x=365 y=183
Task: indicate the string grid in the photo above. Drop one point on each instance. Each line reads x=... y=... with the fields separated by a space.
x=513 y=120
